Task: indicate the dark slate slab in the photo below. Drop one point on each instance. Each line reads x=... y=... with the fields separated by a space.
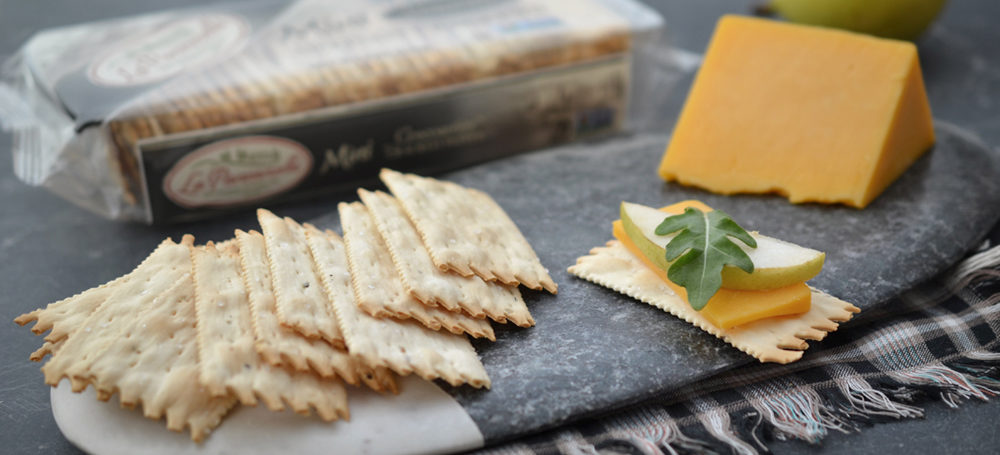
x=594 y=350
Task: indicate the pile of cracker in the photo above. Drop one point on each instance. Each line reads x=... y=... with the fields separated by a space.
x=288 y=315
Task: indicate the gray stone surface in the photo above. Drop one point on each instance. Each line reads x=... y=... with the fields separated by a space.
x=593 y=349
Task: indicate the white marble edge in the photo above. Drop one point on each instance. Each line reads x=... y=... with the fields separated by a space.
x=422 y=419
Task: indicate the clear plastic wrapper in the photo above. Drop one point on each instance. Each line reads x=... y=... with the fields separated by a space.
x=190 y=113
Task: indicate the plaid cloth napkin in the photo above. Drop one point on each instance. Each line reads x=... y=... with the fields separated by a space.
x=939 y=338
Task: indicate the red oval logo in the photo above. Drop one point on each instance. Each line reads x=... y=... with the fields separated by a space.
x=237 y=171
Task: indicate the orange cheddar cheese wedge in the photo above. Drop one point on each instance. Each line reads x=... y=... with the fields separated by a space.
x=815 y=114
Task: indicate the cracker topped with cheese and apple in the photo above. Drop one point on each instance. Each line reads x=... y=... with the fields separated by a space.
x=696 y=263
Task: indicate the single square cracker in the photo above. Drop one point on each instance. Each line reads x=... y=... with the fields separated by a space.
x=154 y=362
x=140 y=343
x=429 y=284
x=300 y=300
x=171 y=263
x=378 y=289
x=402 y=346
x=229 y=360
x=780 y=340
x=466 y=231
x=281 y=346
x=66 y=315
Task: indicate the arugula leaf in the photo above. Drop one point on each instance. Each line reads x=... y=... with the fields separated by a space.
x=702 y=249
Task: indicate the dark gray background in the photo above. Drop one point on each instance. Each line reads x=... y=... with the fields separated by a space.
x=50 y=249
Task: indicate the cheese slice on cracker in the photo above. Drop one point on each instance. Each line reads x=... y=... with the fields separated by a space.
x=300 y=301
x=779 y=339
x=431 y=285
x=281 y=346
x=229 y=360
x=467 y=232
x=378 y=289
x=405 y=347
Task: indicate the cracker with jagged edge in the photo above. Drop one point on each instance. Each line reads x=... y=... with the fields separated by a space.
x=779 y=339
x=229 y=361
x=64 y=316
x=153 y=362
x=403 y=346
x=72 y=360
x=378 y=289
x=299 y=298
x=47 y=348
x=281 y=346
x=465 y=231
x=432 y=286
x=126 y=346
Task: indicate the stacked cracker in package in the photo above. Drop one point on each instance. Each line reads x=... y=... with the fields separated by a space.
x=189 y=113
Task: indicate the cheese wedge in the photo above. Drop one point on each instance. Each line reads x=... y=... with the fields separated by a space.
x=816 y=114
x=730 y=308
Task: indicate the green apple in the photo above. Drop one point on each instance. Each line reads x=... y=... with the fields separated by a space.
x=900 y=19
x=776 y=263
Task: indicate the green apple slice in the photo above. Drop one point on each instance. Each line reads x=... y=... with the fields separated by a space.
x=776 y=263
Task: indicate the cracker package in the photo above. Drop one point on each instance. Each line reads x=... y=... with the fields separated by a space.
x=188 y=113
